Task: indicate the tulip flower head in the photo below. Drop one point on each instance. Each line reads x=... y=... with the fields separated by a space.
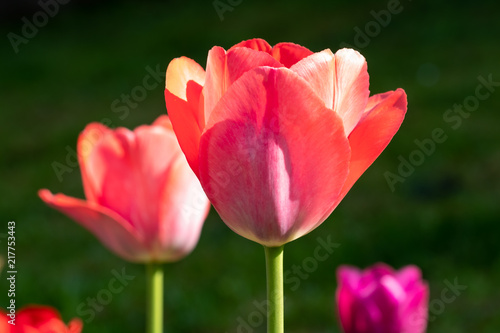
x=38 y=319
x=142 y=200
x=278 y=135
x=381 y=300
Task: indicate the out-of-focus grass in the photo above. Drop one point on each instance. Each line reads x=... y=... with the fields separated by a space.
x=443 y=218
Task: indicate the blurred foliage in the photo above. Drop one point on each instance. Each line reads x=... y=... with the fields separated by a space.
x=443 y=217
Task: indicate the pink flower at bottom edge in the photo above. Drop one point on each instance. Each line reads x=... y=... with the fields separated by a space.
x=382 y=300
x=38 y=319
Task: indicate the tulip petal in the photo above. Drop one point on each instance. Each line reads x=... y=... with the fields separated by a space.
x=110 y=228
x=163 y=121
x=180 y=72
x=376 y=272
x=256 y=44
x=4 y=322
x=356 y=311
x=349 y=276
x=351 y=87
x=346 y=307
x=75 y=326
x=87 y=140
x=39 y=319
x=392 y=300
x=37 y=315
x=42 y=319
x=408 y=276
x=183 y=207
x=155 y=150
x=271 y=156
x=367 y=316
x=184 y=82
x=225 y=68
x=374 y=132
x=289 y=53
x=130 y=168
x=386 y=301
x=415 y=312
x=108 y=168
x=318 y=70
x=215 y=83
x=394 y=292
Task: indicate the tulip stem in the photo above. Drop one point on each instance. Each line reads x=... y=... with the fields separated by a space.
x=154 y=315
x=275 y=299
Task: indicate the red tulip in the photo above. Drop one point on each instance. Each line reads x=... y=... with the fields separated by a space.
x=38 y=319
x=381 y=300
x=278 y=136
x=143 y=201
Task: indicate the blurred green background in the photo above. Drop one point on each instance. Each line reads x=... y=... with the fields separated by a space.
x=444 y=216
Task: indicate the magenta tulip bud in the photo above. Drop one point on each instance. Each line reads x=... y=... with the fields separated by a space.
x=381 y=300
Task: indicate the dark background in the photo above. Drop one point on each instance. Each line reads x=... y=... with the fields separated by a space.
x=444 y=216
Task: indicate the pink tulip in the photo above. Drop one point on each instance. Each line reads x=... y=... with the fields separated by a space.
x=381 y=300
x=278 y=135
x=38 y=319
x=143 y=201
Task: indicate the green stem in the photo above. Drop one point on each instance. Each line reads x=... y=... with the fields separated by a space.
x=274 y=273
x=154 y=315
